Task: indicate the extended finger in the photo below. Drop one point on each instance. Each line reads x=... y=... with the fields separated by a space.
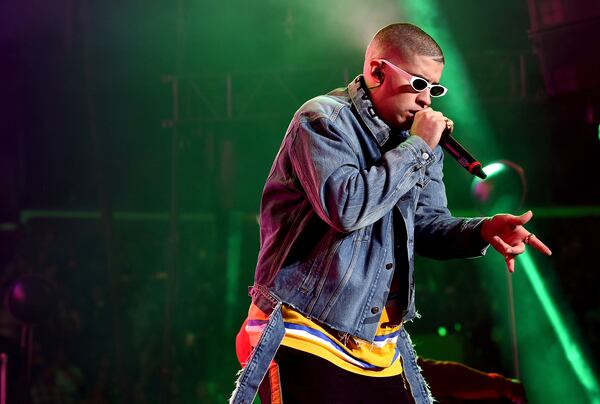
x=538 y=245
x=510 y=262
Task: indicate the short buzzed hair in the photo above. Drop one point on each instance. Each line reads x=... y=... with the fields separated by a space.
x=406 y=39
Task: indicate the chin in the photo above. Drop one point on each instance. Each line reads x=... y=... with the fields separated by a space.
x=398 y=122
x=403 y=124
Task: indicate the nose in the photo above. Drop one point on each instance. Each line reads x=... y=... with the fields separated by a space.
x=424 y=99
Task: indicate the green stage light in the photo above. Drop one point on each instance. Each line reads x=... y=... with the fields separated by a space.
x=570 y=347
x=461 y=103
x=463 y=106
x=502 y=191
x=493 y=169
x=442 y=331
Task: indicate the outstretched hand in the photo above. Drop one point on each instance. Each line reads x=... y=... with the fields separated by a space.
x=508 y=236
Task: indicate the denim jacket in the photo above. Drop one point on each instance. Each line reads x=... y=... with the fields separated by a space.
x=327 y=230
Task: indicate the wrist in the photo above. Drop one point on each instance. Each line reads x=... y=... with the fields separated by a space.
x=484 y=229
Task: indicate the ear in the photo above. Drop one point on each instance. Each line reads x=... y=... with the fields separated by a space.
x=376 y=71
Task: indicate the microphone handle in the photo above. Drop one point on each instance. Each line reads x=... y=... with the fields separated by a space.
x=461 y=155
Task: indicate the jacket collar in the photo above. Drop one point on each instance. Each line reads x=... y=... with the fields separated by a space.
x=361 y=100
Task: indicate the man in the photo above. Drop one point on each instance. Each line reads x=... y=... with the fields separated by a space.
x=355 y=189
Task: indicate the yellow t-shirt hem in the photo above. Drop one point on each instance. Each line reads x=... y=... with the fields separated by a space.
x=314 y=348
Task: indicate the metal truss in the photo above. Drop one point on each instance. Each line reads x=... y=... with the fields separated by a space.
x=498 y=76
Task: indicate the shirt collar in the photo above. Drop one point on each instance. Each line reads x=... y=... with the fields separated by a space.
x=359 y=95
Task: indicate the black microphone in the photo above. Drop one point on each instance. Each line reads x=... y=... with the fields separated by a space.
x=463 y=157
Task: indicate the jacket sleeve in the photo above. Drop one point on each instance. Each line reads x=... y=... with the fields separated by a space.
x=342 y=193
x=438 y=234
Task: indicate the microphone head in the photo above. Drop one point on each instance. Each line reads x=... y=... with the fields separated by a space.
x=476 y=169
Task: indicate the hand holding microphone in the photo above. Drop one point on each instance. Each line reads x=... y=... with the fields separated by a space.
x=429 y=125
x=433 y=127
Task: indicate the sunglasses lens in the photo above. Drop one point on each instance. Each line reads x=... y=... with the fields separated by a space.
x=419 y=84
x=437 y=91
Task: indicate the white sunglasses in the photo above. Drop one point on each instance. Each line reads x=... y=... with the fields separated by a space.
x=418 y=84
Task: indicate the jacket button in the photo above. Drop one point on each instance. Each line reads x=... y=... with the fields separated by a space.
x=425 y=155
x=389 y=265
x=375 y=310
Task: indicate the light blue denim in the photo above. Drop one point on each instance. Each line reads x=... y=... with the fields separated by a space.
x=327 y=235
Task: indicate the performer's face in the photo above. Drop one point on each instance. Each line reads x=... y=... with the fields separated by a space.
x=395 y=100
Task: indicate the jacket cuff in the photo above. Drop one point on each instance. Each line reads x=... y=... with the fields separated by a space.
x=423 y=154
x=477 y=241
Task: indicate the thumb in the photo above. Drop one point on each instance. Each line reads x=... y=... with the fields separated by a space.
x=524 y=218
